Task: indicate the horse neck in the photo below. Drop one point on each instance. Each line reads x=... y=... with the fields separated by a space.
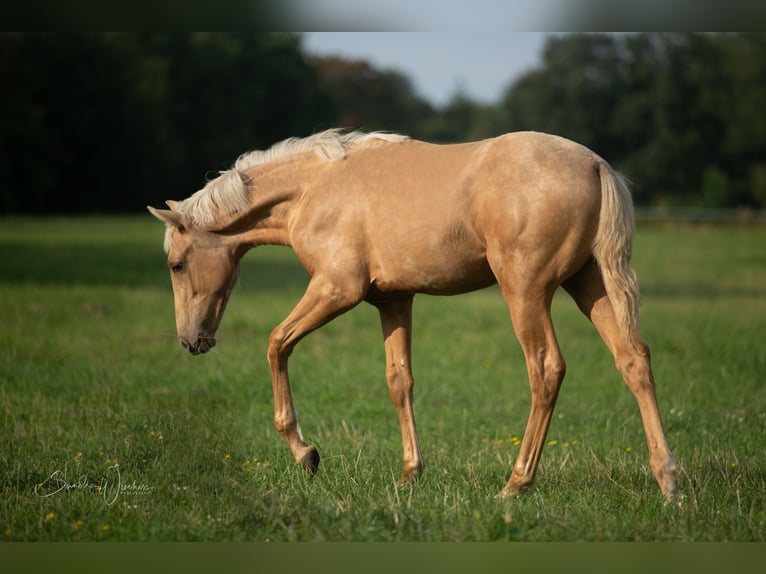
x=275 y=191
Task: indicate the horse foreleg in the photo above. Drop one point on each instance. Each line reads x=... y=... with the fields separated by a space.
x=545 y=367
x=321 y=302
x=396 y=320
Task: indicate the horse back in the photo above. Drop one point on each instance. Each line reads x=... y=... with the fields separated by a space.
x=421 y=217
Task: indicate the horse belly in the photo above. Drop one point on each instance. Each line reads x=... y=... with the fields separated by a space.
x=442 y=266
x=470 y=276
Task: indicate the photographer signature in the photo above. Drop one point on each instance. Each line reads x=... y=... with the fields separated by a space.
x=109 y=487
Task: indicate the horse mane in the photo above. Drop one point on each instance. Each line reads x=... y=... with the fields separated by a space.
x=227 y=194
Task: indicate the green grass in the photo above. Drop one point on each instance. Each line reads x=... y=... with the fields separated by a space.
x=91 y=374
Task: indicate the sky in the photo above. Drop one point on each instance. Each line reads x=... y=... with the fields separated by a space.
x=432 y=15
x=480 y=65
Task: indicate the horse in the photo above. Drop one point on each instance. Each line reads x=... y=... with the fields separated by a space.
x=379 y=217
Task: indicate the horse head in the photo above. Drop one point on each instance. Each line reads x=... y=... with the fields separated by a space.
x=204 y=268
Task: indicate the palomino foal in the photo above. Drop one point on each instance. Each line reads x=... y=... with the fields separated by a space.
x=380 y=217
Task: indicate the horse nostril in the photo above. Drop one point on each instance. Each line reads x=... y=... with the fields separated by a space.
x=202 y=344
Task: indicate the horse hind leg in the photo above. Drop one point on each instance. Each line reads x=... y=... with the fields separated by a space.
x=633 y=361
x=531 y=316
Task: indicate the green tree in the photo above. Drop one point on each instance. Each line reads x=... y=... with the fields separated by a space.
x=371 y=99
x=461 y=119
x=572 y=94
x=680 y=114
x=743 y=93
x=110 y=122
x=62 y=123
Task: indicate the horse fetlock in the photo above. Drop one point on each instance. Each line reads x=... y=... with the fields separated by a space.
x=287 y=426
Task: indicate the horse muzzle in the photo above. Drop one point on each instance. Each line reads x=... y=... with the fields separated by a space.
x=202 y=345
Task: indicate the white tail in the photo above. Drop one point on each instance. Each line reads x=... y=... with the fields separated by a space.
x=613 y=247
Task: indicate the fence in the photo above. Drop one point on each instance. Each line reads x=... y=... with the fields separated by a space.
x=739 y=215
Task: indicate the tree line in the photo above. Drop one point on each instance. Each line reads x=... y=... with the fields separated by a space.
x=108 y=122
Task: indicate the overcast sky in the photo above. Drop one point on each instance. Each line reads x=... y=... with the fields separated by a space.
x=480 y=65
x=435 y=15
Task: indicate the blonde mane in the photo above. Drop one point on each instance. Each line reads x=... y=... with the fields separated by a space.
x=227 y=194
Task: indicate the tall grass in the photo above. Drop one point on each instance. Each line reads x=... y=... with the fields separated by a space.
x=94 y=383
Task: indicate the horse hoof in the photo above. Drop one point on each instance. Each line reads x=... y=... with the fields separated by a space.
x=673 y=498
x=408 y=478
x=511 y=491
x=310 y=460
x=410 y=475
x=505 y=494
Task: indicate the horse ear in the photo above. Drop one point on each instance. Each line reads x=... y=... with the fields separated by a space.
x=174 y=218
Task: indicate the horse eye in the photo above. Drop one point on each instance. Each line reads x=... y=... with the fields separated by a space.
x=177 y=267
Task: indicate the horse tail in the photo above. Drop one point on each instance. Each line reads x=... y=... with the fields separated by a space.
x=613 y=247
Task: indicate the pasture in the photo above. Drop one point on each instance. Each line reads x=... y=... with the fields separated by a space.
x=111 y=431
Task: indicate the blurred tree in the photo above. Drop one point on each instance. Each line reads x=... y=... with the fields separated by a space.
x=370 y=99
x=740 y=106
x=104 y=122
x=112 y=121
x=758 y=183
x=460 y=120
x=60 y=122
x=678 y=113
x=572 y=94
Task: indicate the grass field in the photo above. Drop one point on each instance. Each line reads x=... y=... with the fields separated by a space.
x=110 y=431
